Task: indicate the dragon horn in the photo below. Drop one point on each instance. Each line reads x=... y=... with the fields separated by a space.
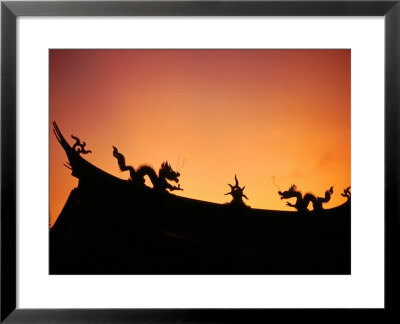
x=237 y=182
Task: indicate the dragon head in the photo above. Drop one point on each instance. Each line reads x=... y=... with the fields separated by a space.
x=167 y=171
x=346 y=193
x=289 y=193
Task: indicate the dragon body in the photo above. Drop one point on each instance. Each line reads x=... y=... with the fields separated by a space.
x=302 y=202
x=159 y=181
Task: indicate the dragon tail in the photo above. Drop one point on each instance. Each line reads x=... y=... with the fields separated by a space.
x=328 y=194
x=121 y=163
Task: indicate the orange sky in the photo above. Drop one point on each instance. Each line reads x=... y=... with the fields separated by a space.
x=264 y=115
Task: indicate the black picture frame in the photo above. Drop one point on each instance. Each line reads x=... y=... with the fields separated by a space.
x=10 y=10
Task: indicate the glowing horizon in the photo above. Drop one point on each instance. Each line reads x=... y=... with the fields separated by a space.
x=272 y=117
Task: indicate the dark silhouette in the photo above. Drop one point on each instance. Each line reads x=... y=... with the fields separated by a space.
x=79 y=147
x=114 y=226
x=346 y=193
x=322 y=200
x=237 y=194
x=302 y=202
x=159 y=181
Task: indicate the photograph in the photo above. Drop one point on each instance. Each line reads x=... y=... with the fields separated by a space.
x=186 y=161
x=199 y=161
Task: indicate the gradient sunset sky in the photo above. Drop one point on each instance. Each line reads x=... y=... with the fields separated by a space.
x=273 y=117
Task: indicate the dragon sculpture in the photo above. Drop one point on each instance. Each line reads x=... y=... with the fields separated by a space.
x=237 y=194
x=159 y=181
x=79 y=147
x=346 y=193
x=302 y=202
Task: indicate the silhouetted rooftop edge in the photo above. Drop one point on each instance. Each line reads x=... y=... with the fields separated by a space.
x=87 y=172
